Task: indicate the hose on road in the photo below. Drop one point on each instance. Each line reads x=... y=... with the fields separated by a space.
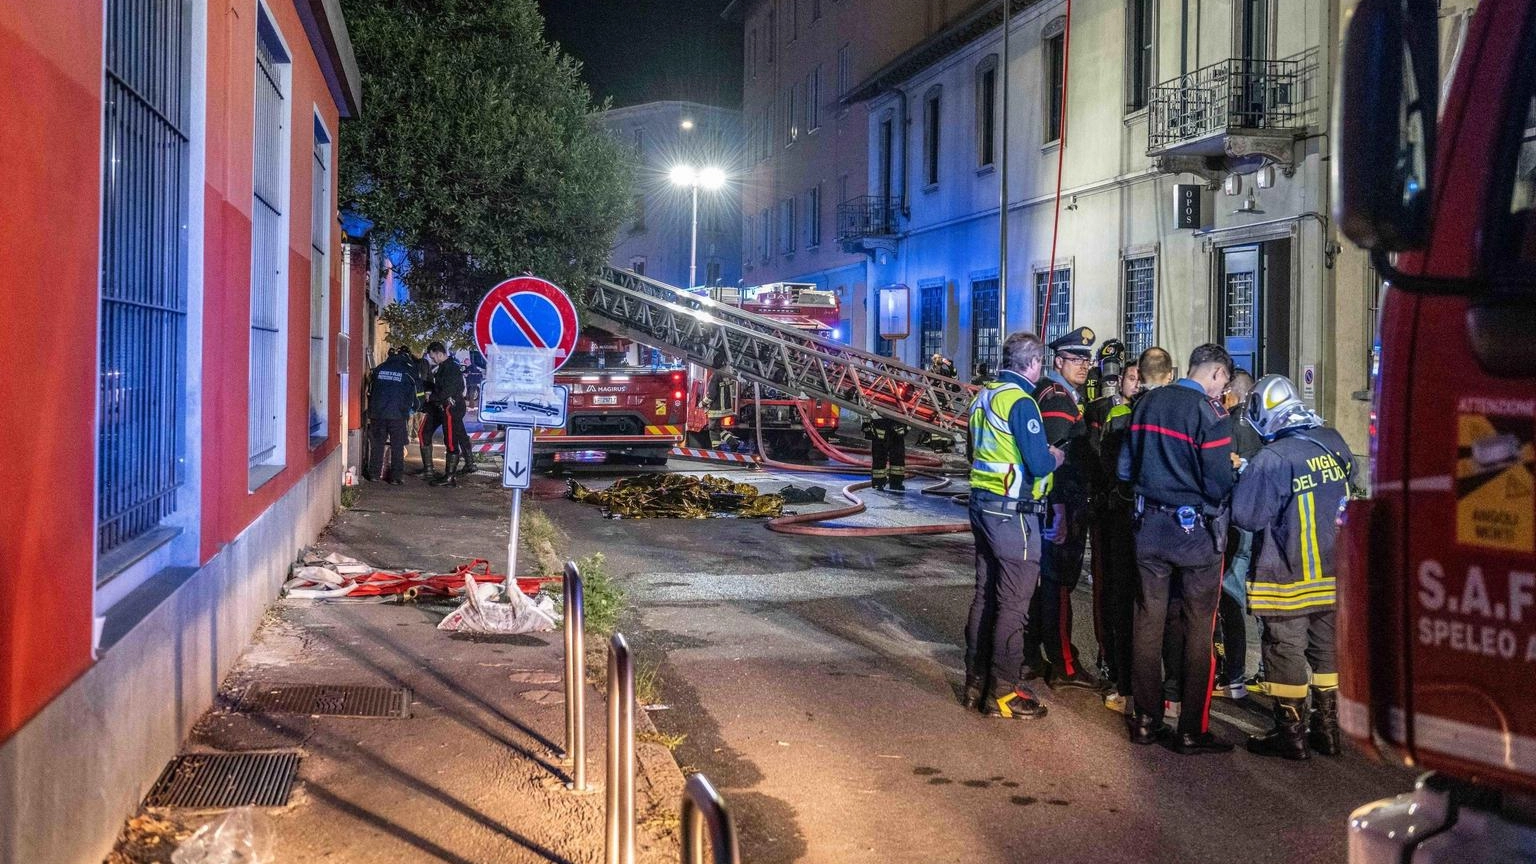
x=807 y=523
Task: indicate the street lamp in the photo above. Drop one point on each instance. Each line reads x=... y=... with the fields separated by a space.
x=709 y=178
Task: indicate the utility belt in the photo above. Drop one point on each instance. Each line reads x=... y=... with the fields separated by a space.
x=1011 y=505
x=1189 y=516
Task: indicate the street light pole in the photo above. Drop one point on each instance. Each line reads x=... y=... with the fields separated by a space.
x=693 y=249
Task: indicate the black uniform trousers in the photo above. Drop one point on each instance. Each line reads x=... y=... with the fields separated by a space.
x=1115 y=589
x=454 y=433
x=1007 y=571
x=1165 y=554
x=1050 y=613
x=887 y=450
x=379 y=431
x=1292 y=643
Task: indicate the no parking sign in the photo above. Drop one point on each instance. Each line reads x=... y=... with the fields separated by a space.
x=527 y=312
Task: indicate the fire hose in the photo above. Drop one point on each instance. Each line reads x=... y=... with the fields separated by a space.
x=805 y=523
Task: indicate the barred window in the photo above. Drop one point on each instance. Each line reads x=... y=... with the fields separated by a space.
x=268 y=286
x=813 y=217
x=1139 y=305
x=932 y=321
x=320 y=223
x=1059 y=319
x=986 y=339
x=143 y=338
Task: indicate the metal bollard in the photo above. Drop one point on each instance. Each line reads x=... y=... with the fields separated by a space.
x=703 y=808
x=575 y=678
x=621 y=752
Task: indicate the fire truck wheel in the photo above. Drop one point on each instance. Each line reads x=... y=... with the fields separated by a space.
x=653 y=460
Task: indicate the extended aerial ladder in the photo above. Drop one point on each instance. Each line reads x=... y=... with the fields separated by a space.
x=761 y=350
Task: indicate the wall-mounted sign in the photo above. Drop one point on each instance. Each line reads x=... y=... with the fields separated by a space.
x=1194 y=206
x=895 y=312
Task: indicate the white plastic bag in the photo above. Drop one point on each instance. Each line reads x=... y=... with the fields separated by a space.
x=241 y=836
x=487 y=609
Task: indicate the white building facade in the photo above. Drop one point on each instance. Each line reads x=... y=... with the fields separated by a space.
x=1224 y=101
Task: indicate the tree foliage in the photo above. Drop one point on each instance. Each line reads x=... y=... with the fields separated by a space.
x=419 y=323
x=479 y=149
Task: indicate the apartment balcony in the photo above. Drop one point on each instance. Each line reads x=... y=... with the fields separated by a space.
x=1226 y=116
x=868 y=223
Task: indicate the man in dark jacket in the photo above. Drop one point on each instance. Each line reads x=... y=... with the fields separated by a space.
x=1114 y=557
x=1290 y=496
x=448 y=391
x=431 y=416
x=1178 y=459
x=391 y=399
x=1060 y=397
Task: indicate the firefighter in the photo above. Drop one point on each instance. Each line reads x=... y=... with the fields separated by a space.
x=1290 y=496
x=391 y=399
x=448 y=395
x=1178 y=459
x=887 y=453
x=1010 y=478
x=1060 y=397
x=431 y=414
x=1114 y=556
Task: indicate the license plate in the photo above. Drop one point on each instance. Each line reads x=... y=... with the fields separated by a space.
x=605 y=400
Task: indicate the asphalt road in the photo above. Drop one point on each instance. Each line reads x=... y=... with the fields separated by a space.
x=816 y=679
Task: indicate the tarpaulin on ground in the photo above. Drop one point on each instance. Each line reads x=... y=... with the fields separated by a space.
x=679 y=496
x=320 y=575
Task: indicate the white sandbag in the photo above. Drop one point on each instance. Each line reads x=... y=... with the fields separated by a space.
x=490 y=610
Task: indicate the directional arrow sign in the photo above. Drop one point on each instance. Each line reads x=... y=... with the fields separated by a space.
x=517 y=470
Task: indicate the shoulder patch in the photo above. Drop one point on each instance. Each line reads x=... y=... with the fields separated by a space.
x=1034 y=426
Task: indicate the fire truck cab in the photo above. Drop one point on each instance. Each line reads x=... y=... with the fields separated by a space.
x=1437 y=569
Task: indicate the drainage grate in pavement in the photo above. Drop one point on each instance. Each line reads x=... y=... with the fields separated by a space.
x=219 y=781
x=336 y=700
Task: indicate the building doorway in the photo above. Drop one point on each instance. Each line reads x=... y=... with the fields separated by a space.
x=1253 y=306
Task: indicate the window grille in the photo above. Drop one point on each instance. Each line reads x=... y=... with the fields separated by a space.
x=986 y=339
x=319 y=285
x=1059 y=320
x=143 y=267
x=1139 y=306
x=932 y=312
x=267 y=246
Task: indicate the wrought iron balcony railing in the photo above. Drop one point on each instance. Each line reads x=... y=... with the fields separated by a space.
x=867 y=216
x=1236 y=95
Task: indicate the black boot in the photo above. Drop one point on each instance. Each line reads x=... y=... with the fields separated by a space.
x=426 y=460
x=975 y=688
x=447 y=478
x=1288 y=739
x=1323 y=726
x=468 y=466
x=1146 y=729
x=897 y=482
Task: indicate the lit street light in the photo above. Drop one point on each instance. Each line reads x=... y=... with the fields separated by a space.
x=709 y=178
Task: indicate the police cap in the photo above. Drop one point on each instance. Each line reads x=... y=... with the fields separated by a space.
x=1078 y=343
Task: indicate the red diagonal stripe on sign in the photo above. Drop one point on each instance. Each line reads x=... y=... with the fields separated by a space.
x=522 y=323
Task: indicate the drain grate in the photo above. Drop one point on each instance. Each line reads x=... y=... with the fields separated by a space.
x=219 y=781
x=335 y=700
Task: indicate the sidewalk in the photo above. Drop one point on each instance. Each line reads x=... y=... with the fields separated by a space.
x=472 y=775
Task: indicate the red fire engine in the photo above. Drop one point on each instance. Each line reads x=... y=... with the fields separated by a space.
x=627 y=401
x=1437 y=570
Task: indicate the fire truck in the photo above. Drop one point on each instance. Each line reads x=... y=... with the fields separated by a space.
x=802 y=306
x=1437 y=569
x=628 y=402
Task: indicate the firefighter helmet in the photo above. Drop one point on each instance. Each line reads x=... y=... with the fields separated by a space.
x=1275 y=406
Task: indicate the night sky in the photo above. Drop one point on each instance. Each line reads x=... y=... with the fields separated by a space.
x=646 y=50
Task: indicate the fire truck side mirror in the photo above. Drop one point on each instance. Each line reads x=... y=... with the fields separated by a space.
x=1384 y=124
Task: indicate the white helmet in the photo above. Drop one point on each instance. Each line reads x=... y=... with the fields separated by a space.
x=1275 y=406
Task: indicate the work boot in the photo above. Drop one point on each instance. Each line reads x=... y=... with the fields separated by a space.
x=1080 y=678
x=1323 y=728
x=897 y=485
x=447 y=478
x=1198 y=743
x=1018 y=705
x=426 y=461
x=975 y=686
x=877 y=484
x=469 y=465
x=1288 y=739
x=1146 y=729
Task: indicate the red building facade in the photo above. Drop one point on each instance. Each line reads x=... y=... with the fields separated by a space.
x=183 y=335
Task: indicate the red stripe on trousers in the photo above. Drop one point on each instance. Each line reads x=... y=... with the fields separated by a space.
x=448 y=429
x=1210 y=682
x=1064 y=624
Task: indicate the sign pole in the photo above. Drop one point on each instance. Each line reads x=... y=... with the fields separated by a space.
x=517 y=518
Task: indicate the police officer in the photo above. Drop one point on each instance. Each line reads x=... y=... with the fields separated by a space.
x=1010 y=478
x=1060 y=397
x=431 y=413
x=448 y=392
x=887 y=453
x=391 y=398
x=1178 y=458
x=1114 y=556
x=1290 y=495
